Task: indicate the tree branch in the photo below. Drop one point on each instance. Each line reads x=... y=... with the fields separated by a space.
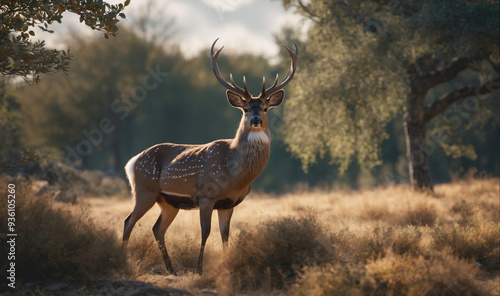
x=306 y=9
x=444 y=102
x=445 y=75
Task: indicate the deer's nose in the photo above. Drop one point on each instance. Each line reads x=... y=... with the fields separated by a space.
x=256 y=121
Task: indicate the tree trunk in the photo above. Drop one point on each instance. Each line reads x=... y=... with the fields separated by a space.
x=415 y=128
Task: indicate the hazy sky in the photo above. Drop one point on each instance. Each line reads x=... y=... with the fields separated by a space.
x=242 y=25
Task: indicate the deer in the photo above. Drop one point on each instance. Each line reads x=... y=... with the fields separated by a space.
x=208 y=177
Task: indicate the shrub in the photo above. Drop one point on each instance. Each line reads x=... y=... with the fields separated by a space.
x=377 y=242
x=272 y=254
x=463 y=209
x=100 y=184
x=477 y=240
x=374 y=211
x=328 y=280
x=66 y=183
x=58 y=241
x=421 y=214
x=438 y=274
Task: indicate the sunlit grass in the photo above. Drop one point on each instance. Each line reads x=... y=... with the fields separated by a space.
x=365 y=233
x=378 y=241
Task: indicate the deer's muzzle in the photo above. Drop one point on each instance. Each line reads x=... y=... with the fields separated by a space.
x=256 y=121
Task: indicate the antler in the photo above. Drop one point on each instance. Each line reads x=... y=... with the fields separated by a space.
x=234 y=88
x=265 y=92
x=293 y=66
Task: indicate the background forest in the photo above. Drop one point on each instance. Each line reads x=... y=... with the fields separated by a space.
x=138 y=89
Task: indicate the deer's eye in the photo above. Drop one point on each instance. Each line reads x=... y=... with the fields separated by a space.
x=265 y=109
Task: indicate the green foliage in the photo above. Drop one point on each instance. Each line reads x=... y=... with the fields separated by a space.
x=10 y=120
x=113 y=80
x=359 y=60
x=20 y=55
x=103 y=85
x=189 y=106
x=12 y=154
x=25 y=158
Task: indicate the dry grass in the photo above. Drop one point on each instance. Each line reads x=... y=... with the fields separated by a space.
x=438 y=274
x=381 y=241
x=56 y=241
x=272 y=254
x=478 y=240
x=357 y=235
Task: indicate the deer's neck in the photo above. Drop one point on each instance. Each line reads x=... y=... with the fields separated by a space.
x=250 y=150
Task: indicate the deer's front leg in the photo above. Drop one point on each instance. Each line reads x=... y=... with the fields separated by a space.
x=206 y=208
x=224 y=221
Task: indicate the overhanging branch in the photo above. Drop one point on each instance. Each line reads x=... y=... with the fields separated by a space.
x=445 y=75
x=308 y=11
x=444 y=102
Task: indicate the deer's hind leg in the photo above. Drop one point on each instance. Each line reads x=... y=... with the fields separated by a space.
x=166 y=217
x=144 y=200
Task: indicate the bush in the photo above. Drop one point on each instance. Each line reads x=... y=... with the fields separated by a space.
x=375 y=243
x=477 y=240
x=65 y=183
x=328 y=280
x=58 y=241
x=273 y=253
x=438 y=274
x=100 y=184
x=420 y=214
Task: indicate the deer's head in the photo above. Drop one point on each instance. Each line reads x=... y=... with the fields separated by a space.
x=255 y=108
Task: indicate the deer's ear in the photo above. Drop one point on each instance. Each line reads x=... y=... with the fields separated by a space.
x=235 y=100
x=276 y=98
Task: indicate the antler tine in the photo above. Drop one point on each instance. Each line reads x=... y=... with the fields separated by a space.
x=291 y=71
x=215 y=68
x=263 y=84
x=246 y=92
x=232 y=81
x=275 y=80
x=245 y=85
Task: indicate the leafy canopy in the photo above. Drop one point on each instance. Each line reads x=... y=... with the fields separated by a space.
x=359 y=60
x=20 y=55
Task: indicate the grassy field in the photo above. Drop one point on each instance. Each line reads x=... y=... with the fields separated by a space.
x=381 y=241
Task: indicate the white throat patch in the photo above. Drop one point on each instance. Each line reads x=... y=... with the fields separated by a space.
x=258 y=137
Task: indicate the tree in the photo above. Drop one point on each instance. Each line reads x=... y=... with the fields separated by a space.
x=19 y=55
x=86 y=111
x=366 y=62
x=10 y=131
